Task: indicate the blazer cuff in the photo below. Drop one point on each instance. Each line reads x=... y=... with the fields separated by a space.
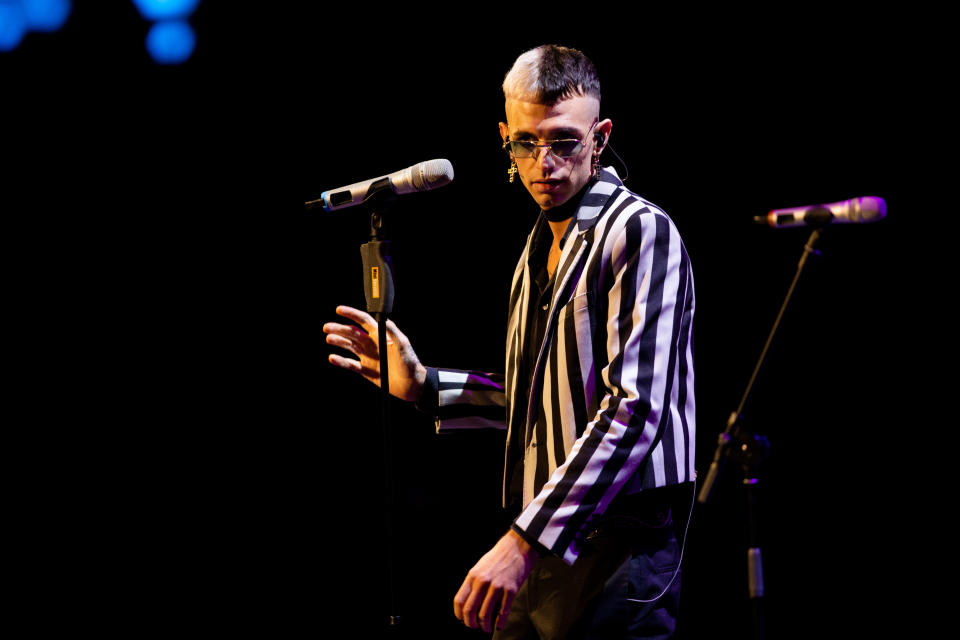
x=533 y=542
x=429 y=399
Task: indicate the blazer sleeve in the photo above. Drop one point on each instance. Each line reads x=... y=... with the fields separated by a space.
x=648 y=302
x=464 y=399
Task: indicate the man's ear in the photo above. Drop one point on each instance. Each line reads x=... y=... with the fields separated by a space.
x=504 y=131
x=602 y=133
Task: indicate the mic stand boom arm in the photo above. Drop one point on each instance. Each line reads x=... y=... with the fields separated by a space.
x=733 y=423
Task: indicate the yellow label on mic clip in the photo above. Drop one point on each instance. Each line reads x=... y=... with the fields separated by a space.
x=375 y=281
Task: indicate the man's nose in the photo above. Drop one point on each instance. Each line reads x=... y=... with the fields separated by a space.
x=545 y=157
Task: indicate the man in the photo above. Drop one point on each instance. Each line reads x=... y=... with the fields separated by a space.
x=598 y=397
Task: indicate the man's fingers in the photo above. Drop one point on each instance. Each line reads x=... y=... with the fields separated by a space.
x=350 y=331
x=362 y=318
x=504 y=612
x=344 y=343
x=467 y=602
x=350 y=364
x=490 y=607
x=368 y=336
x=344 y=363
x=394 y=332
x=460 y=599
x=477 y=605
x=352 y=338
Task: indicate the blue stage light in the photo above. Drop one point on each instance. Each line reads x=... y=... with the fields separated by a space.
x=13 y=25
x=171 y=41
x=19 y=17
x=165 y=9
x=45 y=15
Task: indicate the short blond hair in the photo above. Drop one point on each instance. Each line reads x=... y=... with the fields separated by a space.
x=551 y=73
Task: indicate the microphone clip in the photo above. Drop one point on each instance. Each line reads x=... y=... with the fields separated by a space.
x=747 y=449
x=378 y=284
x=736 y=444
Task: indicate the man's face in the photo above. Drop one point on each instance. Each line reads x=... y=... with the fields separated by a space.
x=552 y=181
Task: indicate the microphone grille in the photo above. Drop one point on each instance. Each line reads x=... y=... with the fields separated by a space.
x=872 y=208
x=432 y=174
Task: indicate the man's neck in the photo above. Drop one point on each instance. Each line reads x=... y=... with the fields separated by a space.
x=558 y=229
x=559 y=217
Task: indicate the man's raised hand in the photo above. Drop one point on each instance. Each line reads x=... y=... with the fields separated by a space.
x=407 y=375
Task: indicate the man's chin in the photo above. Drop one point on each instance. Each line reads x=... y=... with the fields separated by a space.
x=549 y=200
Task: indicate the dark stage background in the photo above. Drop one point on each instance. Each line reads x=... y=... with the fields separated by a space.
x=218 y=475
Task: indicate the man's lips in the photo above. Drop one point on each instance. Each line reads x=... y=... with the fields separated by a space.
x=545 y=186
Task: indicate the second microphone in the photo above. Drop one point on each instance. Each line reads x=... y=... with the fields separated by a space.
x=422 y=176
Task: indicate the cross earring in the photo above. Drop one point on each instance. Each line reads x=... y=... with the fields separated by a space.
x=512 y=171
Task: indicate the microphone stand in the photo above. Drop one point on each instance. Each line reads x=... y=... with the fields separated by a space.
x=379 y=291
x=750 y=451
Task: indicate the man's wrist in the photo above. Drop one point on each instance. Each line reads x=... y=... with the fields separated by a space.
x=527 y=546
x=420 y=376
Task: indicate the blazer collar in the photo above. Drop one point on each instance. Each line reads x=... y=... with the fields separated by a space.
x=595 y=199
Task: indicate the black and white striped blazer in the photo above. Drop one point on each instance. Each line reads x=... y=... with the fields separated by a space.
x=616 y=369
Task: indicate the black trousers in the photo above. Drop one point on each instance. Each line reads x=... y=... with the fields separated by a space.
x=623 y=562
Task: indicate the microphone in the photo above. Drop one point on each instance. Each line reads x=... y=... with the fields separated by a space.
x=420 y=177
x=856 y=210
